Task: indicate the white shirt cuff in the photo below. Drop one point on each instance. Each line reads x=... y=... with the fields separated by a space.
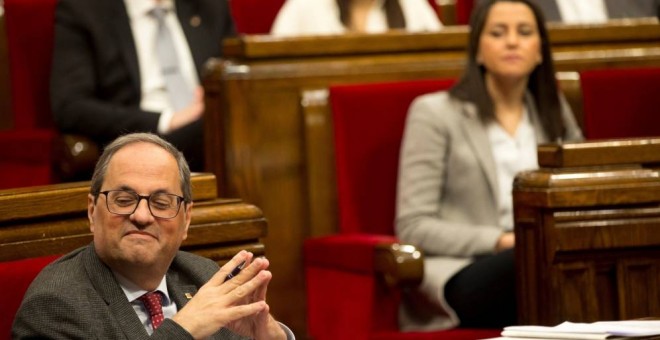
x=287 y=330
x=164 y=121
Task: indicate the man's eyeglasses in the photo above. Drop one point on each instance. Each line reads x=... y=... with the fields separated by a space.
x=161 y=205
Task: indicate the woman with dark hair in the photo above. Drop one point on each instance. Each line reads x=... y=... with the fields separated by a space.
x=314 y=17
x=460 y=152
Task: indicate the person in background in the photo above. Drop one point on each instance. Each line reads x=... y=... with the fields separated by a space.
x=325 y=17
x=460 y=153
x=132 y=281
x=123 y=66
x=596 y=11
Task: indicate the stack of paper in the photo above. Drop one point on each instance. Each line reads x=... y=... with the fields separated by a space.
x=634 y=329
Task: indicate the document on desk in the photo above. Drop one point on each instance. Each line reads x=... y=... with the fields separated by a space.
x=632 y=329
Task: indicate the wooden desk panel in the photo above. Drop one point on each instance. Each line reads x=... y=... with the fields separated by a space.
x=588 y=234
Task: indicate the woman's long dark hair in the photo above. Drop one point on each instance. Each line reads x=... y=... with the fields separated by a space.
x=392 y=9
x=542 y=83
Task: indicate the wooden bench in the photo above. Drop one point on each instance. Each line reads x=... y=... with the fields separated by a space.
x=37 y=224
x=587 y=227
x=256 y=129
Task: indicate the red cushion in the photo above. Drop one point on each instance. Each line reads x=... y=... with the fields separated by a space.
x=368 y=125
x=341 y=305
x=25 y=156
x=255 y=16
x=30 y=146
x=463 y=11
x=354 y=252
x=621 y=103
x=15 y=277
x=450 y=334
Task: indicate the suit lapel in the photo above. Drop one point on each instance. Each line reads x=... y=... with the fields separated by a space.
x=106 y=285
x=122 y=26
x=550 y=9
x=179 y=293
x=193 y=29
x=478 y=139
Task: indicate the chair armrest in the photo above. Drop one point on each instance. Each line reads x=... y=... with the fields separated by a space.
x=399 y=264
x=74 y=157
x=367 y=254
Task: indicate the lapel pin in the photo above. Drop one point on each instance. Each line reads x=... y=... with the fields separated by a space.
x=195 y=21
x=188 y=296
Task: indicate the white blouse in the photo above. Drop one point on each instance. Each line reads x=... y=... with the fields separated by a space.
x=512 y=154
x=321 y=17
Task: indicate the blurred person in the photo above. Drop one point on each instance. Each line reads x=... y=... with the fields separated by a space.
x=460 y=153
x=596 y=11
x=123 y=66
x=325 y=17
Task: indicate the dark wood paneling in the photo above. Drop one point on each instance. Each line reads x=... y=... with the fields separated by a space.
x=588 y=236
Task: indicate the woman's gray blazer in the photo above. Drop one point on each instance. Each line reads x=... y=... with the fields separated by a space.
x=447 y=192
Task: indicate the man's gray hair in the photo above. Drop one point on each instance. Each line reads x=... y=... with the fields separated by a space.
x=104 y=161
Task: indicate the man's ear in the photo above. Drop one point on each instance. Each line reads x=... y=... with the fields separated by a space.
x=187 y=219
x=90 y=211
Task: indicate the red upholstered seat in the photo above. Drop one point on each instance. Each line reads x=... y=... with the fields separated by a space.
x=621 y=103
x=254 y=16
x=345 y=298
x=463 y=11
x=15 y=278
x=25 y=158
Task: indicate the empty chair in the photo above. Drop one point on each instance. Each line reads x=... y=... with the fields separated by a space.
x=350 y=292
x=621 y=103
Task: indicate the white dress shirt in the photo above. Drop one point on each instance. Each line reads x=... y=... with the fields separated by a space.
x=321 y=17
x=144 y=27
x=133 y=292
x=582 y=11
x=512 y=154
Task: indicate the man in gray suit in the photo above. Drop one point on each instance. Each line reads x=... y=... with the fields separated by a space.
x=132 y=282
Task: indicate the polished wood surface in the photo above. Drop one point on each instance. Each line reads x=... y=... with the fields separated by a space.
x=256 y=130
x=47 y=220
x=588 y=233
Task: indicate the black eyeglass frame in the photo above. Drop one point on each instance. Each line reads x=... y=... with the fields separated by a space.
x=139 y=199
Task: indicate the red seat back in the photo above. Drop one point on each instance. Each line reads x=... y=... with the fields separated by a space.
x=25 y=158
x=255 y=16
x=368 y=125
x=463 y=11
x=15 y=278
x=30 y=33
x=621 y=103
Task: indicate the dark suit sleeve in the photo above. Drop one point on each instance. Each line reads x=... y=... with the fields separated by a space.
x=92 y=92
x=40 y=317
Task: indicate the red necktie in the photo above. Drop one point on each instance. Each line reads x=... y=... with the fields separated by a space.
x=153 y=301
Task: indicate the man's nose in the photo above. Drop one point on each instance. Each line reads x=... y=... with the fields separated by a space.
x=142 y=214
x=512 y=38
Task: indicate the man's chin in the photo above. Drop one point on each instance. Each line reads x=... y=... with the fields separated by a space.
x=140 y=252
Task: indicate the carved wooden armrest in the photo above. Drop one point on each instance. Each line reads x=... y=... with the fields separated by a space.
x=75 y=157
x=400 y=264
